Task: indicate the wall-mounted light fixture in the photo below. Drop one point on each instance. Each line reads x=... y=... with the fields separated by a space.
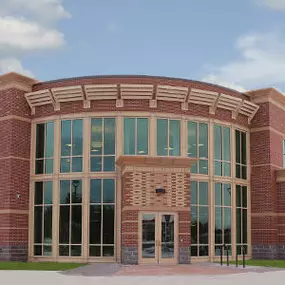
x=160 y=190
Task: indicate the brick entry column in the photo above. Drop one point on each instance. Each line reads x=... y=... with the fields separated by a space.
x=141 y=176
x=15 y=137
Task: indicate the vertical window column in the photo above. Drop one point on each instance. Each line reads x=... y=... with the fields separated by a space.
x=198 y=146
x=102 y=144
x=44 y=148
x=223 y=216
x=241 y=218
x=241 y=155
x=168 y=137
x=70 y=218
x=222 y=151
x=199 y=219
x=102 y=217
x=71 y=146
x=43 y=209
x=136 y=136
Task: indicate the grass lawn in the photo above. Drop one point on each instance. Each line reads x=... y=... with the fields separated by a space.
x=265 y=263
x=45 y=266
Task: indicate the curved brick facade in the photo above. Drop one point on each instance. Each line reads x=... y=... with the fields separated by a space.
x=265 y=180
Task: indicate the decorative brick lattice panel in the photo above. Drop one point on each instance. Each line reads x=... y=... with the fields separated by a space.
x=139 y=189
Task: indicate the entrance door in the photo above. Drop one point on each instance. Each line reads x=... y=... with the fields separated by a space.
x=158 y=237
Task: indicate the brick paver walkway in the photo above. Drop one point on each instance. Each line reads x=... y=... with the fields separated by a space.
x=208 y=269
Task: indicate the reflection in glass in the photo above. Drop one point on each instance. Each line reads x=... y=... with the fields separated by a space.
x=142 y=136
x=129 y=136
x=167 y=236
x=174 y=138
x=102 y=148
x=162 y=137
x=148 y=236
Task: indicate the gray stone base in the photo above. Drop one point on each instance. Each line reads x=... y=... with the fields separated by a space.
x=129 y=255
x=268 y=251
x=184 y=255
x=14 y=253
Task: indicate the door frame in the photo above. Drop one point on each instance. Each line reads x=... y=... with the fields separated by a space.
x=158 y=259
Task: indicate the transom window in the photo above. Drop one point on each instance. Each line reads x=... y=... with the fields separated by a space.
x=223 y=216
x=102 y=144
x=241 y=218
x=135 y=136
x=222 y=142
x=168 y=137
x=198 y=146
x=199 y=219
x=43 y=206
x=70 y=218
x=71 y=146
x=44 y=148
x=102 y=217
x=241 y=157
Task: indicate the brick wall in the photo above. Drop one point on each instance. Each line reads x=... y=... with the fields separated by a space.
x=15 y=136
x=266 y=151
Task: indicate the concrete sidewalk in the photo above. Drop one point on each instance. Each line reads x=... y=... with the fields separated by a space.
x=55 y=278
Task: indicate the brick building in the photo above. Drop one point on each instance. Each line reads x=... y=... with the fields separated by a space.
x=139 y=169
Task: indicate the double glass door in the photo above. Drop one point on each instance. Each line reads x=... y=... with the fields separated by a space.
x=158 y=237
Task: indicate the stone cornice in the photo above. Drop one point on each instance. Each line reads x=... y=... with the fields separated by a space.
x=18 y=81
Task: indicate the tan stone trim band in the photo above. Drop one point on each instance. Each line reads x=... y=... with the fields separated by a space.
x=14 y=157
x=15 y=117
x=129 y=233
x=268 y=214
x=157 y=208
x=13 y=228
x=267 y=164
x=13 y=211
x=267 y=128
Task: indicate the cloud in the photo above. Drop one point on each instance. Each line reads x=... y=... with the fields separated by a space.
x=48 y=11
x=23 y=35
x=12 y=64
x=261 y=62
x=27 y=26
x=272 y=4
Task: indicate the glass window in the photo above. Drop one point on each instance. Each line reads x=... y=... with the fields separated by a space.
x=241 y=218
x=168 y=137
x=223 y=214
x=136 y=136
x=102 y=217
x=71 y=146
x=70 y=218
x=102 y=144
x=43 y=206
x=222 y=150
x=44 y=148
x=241 y=155
x=199 y=219
x=198 y=146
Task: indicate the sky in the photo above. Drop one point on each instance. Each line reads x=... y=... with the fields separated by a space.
x=236 y=43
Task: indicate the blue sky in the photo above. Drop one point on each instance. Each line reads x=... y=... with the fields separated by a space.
x=239 y=44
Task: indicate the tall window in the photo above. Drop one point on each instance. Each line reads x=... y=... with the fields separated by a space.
x=136 y=136
x=70 y=218
x=43 y=219
x=223 y=214
x=241 y=157
x=241 y=218
x=199 y=219
x=198 y=146
x=168 y=137
x=102 y=217
x=71 y=146
x=222 y=151
x=102 y=144
x=44 y=148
